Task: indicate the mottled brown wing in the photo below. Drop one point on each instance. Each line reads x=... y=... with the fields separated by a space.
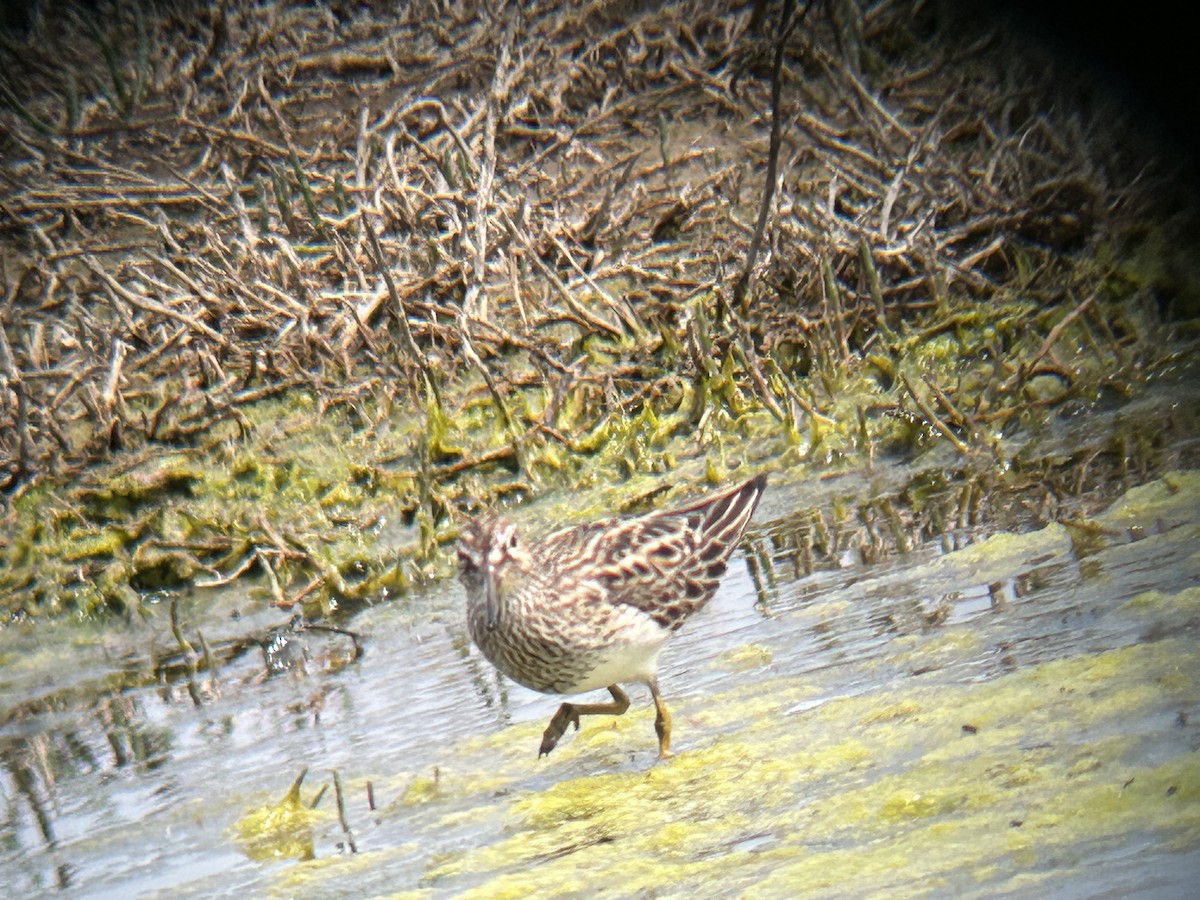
x=667 y=564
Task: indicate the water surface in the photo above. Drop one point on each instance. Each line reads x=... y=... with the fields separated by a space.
x=1018 y=714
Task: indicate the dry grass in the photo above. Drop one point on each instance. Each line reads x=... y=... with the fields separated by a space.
x=454 y=202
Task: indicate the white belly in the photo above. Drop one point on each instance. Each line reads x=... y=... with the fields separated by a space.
x=632 y=658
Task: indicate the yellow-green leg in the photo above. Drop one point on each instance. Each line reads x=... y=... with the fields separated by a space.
x=569 y=713
x=662 y=721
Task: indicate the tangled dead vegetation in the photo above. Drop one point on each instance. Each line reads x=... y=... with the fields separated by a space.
x=534 y=237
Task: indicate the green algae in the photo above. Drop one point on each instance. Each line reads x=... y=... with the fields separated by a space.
x=988 y=839
x=777 y=786
x=965 y=799
x=1174 y=609
x=447 y=785
x=858 y=793
x=280 y=830
x=312 y=485
x=998 y=556
x=83 y=543
x=1167 y=501
x=745 y=658
x=871 y=790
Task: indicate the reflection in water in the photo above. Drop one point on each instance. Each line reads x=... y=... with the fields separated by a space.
x=489 y=684
x=130 y=739
x=45 y=766
x=25 y=762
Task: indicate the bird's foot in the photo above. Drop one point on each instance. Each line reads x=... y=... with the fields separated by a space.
x=565 y=716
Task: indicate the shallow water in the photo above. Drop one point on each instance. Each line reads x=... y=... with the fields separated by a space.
x=1017 y=715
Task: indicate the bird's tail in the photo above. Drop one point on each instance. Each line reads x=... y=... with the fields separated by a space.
x=720 y=521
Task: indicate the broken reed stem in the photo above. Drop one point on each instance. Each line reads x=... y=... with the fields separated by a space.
x=34 y=122
x=16 y=384
x=871 y=274
x=277 y=596
x=185 y=645
x=232 y=576
x=833 y=294
x=1026 y=368
x=410 y=344
x=341 y=808
x=958 y=418
x=932 y=418
x=624 y=309
x=864 y=437
x=746 y=356
x=115 y=362
x=310 y=201
x=742 y=287
x=206 y=654
x=151 y=306
x=473 y=358
x=487 y=171
x=581 y=313
x=794 y=395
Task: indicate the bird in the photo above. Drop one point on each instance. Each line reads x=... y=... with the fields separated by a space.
x=590 y=606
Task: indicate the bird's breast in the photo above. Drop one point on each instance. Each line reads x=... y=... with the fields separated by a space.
x=552 y=648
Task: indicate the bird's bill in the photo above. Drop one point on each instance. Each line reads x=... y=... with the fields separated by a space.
x=491 y=597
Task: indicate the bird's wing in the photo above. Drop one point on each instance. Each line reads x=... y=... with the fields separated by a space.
x=666 y=564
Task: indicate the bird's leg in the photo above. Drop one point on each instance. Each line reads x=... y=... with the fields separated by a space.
x=662 y=720
x=569 y=713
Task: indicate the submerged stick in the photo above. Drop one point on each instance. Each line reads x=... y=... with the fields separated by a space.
x=341 y=808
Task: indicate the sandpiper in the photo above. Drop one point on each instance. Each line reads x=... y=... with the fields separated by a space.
x=590 y=606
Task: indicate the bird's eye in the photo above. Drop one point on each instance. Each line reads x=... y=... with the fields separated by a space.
x=512 y=540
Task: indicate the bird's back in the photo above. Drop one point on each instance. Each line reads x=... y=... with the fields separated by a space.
x=666 y=564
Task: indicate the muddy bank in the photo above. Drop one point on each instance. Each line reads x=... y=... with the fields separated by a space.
x=290 y=292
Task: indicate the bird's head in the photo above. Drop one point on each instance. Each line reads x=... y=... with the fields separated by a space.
x=488 y=547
